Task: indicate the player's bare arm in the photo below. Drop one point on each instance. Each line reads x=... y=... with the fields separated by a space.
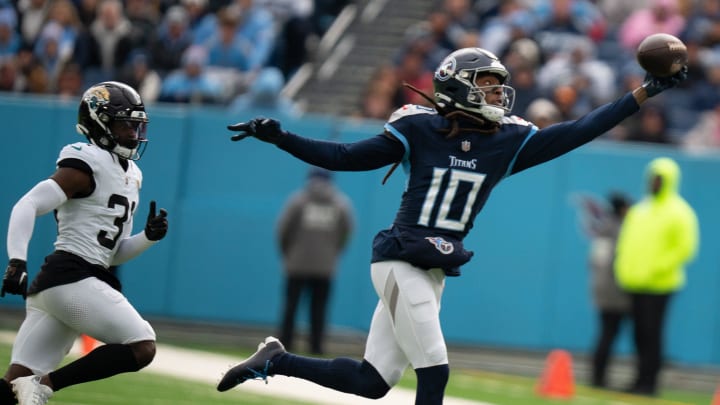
x=73 y=181
x=93 y=194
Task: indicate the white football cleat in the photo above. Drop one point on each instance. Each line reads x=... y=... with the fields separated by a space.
x=29 y=391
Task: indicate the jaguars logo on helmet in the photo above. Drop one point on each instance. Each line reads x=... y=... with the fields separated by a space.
x=96 y=96
x=105 y=103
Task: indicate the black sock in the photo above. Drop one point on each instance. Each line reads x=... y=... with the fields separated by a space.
x=431 y=382
x=7 y=397
x=103 y=362
x=341 y=374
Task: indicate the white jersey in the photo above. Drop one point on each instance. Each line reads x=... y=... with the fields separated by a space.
x=92 y=226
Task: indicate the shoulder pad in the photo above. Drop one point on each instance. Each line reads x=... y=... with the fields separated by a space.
x=515 y=120
x=410 y=109
x=79 y=150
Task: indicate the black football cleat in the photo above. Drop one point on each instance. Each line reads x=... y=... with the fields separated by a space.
x=257 y=366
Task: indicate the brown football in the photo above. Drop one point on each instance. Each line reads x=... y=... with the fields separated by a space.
x=662 y=55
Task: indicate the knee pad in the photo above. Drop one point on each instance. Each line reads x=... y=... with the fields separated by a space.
x=437 y=354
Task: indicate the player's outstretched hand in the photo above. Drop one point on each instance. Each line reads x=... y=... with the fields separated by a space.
x=656 y=85
x=157 y=225
x=15 y=280
x=264 y=129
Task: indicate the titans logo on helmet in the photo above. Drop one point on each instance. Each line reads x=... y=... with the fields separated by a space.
x=446 y=69
x=441 y=244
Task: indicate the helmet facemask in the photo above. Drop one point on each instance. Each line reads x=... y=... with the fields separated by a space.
x=456 y=84
x=476 y=98
x=130 y=139
x=112 y=116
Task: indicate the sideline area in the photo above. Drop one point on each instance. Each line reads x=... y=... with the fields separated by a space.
x=207 y=367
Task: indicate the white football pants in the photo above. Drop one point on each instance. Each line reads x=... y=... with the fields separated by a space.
x=405 y=327
x=57 y=316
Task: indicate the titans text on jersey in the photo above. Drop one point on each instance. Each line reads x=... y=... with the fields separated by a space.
x=449 y=179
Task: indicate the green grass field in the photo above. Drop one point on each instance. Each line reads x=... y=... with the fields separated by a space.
x=502 y=389
x=146 y=388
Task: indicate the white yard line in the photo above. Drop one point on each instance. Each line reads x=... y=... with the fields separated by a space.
x=202 y=366
x=208 y=368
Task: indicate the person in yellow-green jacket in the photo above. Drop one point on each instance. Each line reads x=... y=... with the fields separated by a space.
x=657 y=239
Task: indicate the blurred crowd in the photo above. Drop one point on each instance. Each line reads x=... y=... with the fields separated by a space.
x=180 y=51
x=567 y=57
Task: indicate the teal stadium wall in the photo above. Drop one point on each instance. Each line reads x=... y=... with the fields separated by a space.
x=526 y=288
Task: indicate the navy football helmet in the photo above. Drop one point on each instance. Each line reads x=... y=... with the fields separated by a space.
x=456 y=88
x=104 y=106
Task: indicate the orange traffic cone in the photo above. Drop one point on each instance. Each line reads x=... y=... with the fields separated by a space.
x=88 y=344
x=716 y=397
x=557 y=379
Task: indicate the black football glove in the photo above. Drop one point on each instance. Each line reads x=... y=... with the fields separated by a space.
x=264 y=129
x=655 y=85
x=157 y=225
x=15 y=280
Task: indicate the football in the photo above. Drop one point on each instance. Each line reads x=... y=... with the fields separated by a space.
x=662 y=55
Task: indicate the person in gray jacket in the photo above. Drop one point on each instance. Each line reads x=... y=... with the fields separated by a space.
x=313 y=230
x=612 y=303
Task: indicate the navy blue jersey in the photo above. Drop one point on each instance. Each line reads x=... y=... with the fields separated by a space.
x=450 y=178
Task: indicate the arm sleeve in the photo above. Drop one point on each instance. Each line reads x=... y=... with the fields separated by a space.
x=131 y=247
x=556 y=140
x=368 y=154
x=41 y=199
